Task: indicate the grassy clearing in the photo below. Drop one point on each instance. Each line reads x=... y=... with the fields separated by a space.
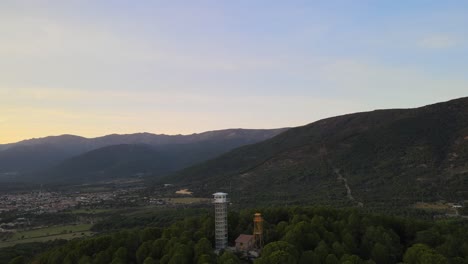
x=53 y=230
x=68 y=236
x=48 y=233
x=436 y=207
x=91 y=211
x=186 y=200
x=93 y=189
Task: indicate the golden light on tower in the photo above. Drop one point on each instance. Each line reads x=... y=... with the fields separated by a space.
x=258 y=230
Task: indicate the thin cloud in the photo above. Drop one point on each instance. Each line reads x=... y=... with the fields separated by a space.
x=438 y=42
x=385 y=86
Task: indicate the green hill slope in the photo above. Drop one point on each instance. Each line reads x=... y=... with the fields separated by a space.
x=380 y=157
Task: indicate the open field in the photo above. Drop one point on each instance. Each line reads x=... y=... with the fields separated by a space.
x=437 y=207
x=69 y=236
x=186 y=200
x=47 y=234
x=93 y=189
x=91 y=211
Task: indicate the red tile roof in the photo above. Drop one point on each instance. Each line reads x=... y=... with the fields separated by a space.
x=244 y=238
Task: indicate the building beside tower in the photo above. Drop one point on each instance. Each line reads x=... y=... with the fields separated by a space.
x=249 y=244
x=252 y=243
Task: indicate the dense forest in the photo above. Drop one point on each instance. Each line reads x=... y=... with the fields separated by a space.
x=393 y=157
x=292 y=235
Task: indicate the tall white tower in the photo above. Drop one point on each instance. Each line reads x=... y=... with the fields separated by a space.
x=221 y=223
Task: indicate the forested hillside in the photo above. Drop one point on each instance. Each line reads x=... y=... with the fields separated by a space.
x=292 y=235
x=379 y=158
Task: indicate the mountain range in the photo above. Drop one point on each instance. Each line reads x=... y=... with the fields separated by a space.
x=382 y=157
x=69 y=158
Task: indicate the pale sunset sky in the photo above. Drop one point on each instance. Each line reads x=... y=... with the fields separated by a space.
x=92 y=68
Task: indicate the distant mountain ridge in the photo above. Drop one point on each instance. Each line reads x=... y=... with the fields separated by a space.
x=132 y=160
x=144 y=138
x=382 y=157
x=37 y=154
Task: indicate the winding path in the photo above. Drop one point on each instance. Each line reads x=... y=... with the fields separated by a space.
x=348 y=189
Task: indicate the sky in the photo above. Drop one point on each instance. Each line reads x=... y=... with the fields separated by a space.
x=93 y=68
